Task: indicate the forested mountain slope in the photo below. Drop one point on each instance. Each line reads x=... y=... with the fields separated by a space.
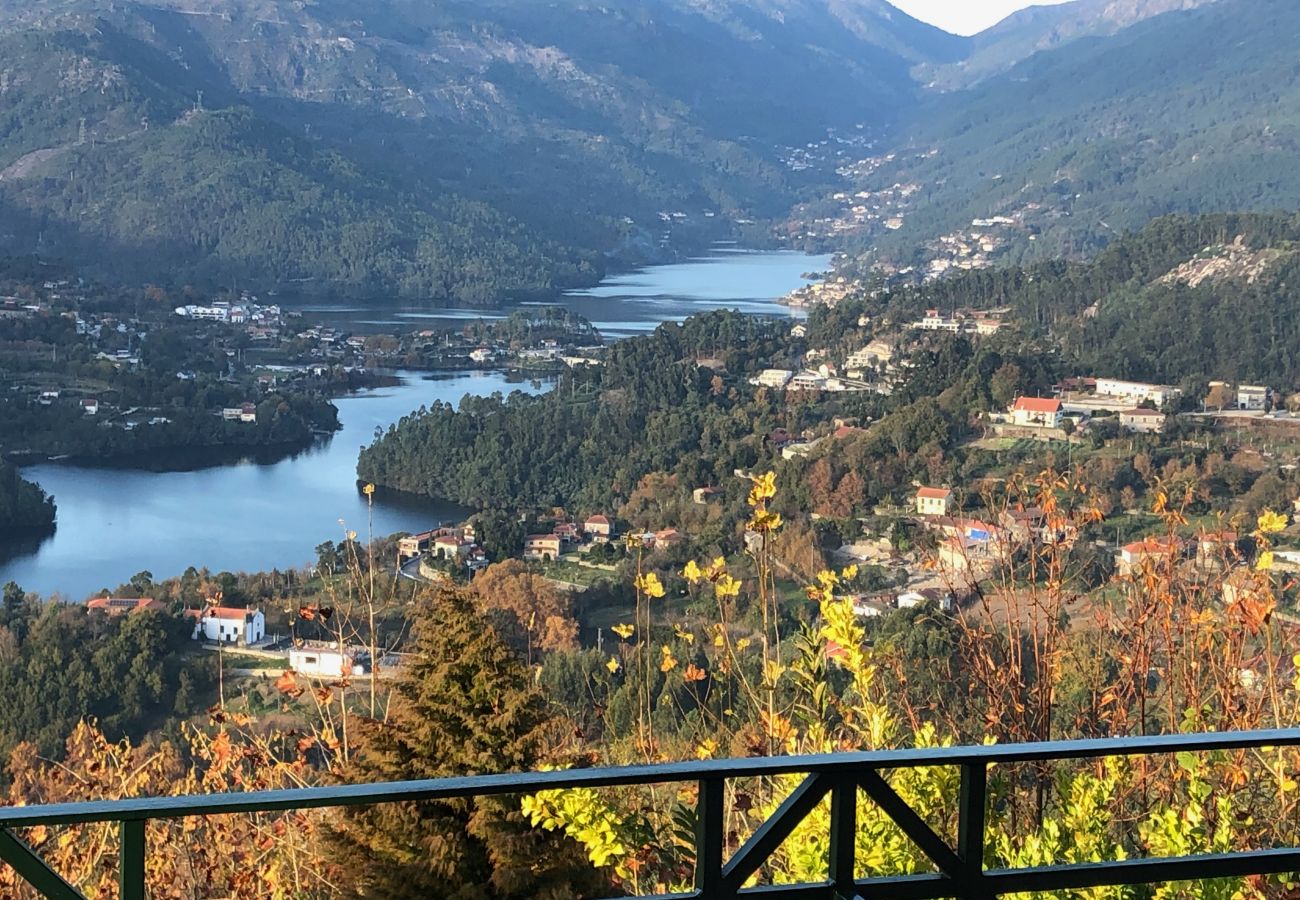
x=423 y=148
x=1194 y=111
x=1037 y=28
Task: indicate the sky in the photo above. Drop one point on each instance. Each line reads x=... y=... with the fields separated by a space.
x=965 y=16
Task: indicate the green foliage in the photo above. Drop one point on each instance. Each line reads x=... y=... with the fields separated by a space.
x=23 y=505
x=463 y=704
x=60 y=664
x=1109 y=133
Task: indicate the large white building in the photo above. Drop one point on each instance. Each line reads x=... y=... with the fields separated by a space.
x=774 y=378
x=229 y=625
x=1136 y=392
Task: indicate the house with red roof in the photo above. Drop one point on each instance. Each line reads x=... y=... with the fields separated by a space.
x=931 y=501
x=599 y=528
x=228 y=625
x=1036 y=412
x=542 y=547
x=1133 y=555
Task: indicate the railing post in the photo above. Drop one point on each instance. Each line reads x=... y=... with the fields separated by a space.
x=710 y=832
x=844 y=829
x=131 y=863
x=973 y=805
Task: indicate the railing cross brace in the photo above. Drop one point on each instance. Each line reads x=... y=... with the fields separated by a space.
x=34 y=870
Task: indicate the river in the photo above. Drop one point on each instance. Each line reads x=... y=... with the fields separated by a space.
x=254 y=513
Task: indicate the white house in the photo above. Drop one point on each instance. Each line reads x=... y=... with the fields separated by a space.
x=933 y=501
x=1036 y=412
x=1136 y=391
x=773 y=378
x=1143 y=421
x=1252 y=396
x=325 y=661
x=229 y=625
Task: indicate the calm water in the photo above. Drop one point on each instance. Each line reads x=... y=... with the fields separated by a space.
x=254 y=513
x=628 y=304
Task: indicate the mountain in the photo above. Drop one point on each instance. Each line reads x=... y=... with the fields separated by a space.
x=1191 y=111
x=1038 y=28
x=468 y=152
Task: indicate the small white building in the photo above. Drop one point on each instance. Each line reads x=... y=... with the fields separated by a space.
x=933 y=501
x=1253 y=396
x=324 y=661
x=229 y=625
x=1036 y=412
x=1142 y=421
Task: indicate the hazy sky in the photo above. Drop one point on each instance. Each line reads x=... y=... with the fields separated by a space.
x=966 y=16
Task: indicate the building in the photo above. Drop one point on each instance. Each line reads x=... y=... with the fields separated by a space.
x=90 y=407
x=542 y=547
x=482 y=355
x=414 y=544
x=229 y=625
x=116 y=606
x=1253 y=397
x=1136 y=391
x=1036 y=412
x=1215 y=549
x=807 y=381
x=598 y=527
x=248 y=414
x=325 y=661
x=705 y=495
x=933 y=501
x=935 y=321
x=449 y=546
x=1142 y=421
x=773 y=378
x=1132 y=556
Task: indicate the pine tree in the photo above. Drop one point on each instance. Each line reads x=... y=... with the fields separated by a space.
x=463 y=705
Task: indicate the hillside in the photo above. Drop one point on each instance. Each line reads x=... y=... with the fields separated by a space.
x=1194 y=111
x=468 y=152
x=1038 y=28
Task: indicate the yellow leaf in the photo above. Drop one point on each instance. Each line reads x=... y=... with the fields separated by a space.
x=706 y=749
x=726 y=586
x=1271 y=522
x=683 y=634
x=612 y=665
x=650 y=585
x=848 y=573
x=624 y=631
x=1265 y=561
x=669 y=661
x=692 y=572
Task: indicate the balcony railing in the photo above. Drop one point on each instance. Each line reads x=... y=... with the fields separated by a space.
x=960 y=869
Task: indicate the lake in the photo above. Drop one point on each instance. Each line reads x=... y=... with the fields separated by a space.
x=625 y=304
x=259 y=512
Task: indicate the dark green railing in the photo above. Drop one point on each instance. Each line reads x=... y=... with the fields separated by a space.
x=960 y=868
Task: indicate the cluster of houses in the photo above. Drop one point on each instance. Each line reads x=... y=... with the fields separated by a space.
x=964 y=321
x=246 y=312
x=451 y=544
x=549 y=547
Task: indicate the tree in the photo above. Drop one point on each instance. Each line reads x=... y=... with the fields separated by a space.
x=463 y=705
x=13 y=599
x=535 y=612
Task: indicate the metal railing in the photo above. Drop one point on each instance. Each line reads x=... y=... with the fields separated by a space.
x=960 y=869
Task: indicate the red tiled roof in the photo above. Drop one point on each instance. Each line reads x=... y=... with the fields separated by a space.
x=1037 y=404
x=598 y=520
x=1146 y=413
x=228 y=612
x=930 y=493
x=1151 y=545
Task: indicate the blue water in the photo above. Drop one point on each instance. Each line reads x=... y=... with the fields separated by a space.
x=256 y=513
